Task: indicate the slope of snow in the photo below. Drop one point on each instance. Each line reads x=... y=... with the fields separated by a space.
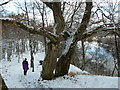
x=76 y=70
x=13 y=75
x=82 y=81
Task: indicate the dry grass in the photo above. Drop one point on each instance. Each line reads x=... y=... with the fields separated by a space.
x=73 y=74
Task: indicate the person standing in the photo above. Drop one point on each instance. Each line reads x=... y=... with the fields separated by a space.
x=25 y=66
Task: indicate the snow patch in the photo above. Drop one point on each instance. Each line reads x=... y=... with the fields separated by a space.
x=67 y=45
x=6 y=18
x=76 y=69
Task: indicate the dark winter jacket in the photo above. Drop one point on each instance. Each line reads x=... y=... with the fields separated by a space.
x=25 y=65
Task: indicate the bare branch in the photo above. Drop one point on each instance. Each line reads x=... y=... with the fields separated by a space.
x=58 y=15
x=42 y=32
x=74 y=12
x=5 y=3
x=98 y=30
x=49 y=4
x=85 y=20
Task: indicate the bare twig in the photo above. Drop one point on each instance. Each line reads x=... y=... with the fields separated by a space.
x=5 y=3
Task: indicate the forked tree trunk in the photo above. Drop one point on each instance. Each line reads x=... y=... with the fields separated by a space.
x=50 y=60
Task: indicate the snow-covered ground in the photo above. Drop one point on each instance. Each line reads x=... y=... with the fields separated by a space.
x=12 y=73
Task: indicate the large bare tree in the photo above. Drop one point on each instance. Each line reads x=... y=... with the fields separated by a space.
x=61 y=66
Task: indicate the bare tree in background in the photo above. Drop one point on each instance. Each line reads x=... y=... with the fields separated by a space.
x=110 y=21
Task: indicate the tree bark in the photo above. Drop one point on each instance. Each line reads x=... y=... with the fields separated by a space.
x=50 y=60
x=63 y=63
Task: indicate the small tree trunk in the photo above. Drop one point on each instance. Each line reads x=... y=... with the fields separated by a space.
x=32 y=62
x=32 y=57
x=117 y=55
x=83 y=55
x=50 y=60
x=119 y=59
x=114 y=69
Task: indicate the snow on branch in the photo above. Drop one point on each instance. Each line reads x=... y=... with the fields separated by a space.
x=68 y=43
x=110 y=30
x=32 y=30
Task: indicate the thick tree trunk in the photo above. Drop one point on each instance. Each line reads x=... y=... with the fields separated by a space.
x=63 y=63
x=50 y=60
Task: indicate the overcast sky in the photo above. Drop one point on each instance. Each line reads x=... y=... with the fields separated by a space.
x=11 y=7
